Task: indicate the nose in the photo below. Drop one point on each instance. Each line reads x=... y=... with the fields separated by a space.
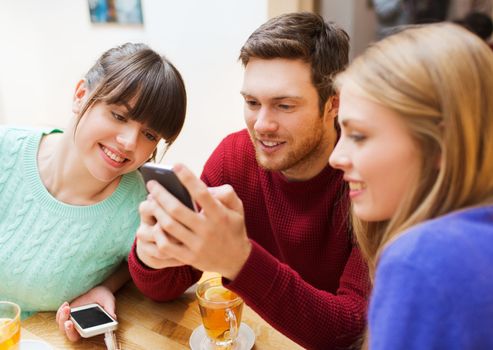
x=128 y=136
x=339 y=158
x=265 y=122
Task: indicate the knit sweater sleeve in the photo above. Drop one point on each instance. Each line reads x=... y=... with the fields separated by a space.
x=162 y=284
x=167 y=284
x=313 y=318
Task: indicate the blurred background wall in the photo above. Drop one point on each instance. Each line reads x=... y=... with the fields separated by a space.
x=46 y=46
x=355 y=16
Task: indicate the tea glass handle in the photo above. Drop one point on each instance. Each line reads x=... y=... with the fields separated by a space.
x=233 y=323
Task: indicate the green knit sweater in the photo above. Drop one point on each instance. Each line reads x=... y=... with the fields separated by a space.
x=52 y=252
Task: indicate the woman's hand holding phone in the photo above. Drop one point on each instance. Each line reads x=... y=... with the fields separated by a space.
x=100 y=295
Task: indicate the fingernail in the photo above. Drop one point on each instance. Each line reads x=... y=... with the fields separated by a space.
x=67 y=325
x=150 y=184
x=177 y=168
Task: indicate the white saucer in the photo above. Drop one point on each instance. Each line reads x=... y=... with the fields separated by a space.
x=30 y=344
x=245 y=341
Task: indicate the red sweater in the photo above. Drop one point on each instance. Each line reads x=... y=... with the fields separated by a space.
x=303 y=276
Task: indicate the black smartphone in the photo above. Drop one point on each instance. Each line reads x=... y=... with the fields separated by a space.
x=168 y=179
x=91 y=320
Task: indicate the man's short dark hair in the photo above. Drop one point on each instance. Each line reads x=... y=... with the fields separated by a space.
x=305 y=36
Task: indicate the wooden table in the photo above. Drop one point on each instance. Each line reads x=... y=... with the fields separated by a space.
x=144 y=324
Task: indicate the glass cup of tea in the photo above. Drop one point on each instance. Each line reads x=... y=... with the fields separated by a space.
x=10 y=325
x=221 y=311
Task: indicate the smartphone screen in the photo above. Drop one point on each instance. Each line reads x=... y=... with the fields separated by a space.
x=90 y=317
x=167 y=178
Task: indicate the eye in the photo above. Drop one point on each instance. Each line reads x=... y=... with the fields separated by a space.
x=151 y=136
x=285 y=107
x=252 y=103
x=356 y=137
x=119 y=117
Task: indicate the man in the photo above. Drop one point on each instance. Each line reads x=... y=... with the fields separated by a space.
x=278 y=233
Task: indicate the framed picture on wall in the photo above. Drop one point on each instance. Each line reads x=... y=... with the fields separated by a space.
x=116 y=11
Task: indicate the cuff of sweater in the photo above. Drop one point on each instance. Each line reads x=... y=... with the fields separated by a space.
x=139 y=270
x=256 y=277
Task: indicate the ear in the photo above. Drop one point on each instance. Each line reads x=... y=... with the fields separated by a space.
x=79 y=96
x=331 y=107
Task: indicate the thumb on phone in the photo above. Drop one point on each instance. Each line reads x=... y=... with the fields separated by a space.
x=109 y=305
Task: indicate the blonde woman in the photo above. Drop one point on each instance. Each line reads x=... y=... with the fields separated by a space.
x=417 y=150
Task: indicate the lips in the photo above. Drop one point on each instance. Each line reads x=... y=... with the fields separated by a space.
x=117 y=158
x=356 y=186
x=270 y=143
x=113 y=157
x=269 y=147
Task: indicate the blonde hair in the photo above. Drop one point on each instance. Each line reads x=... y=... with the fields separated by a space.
x=439 y=78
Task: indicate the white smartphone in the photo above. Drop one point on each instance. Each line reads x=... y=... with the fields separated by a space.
x=167 y=178
x=91 y=320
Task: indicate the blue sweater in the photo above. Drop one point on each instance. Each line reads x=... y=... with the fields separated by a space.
x=51 y=252
x=434 y=286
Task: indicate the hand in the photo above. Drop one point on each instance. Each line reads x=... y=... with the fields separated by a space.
x=213 y=240
x=150 y=238
x=100 y=295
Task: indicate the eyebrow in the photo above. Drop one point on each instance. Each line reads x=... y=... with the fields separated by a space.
x=244 y=94
x=123 y=108
x=348 y=120
x=122 y=104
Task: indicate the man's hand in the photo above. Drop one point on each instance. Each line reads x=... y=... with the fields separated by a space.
x=151 y=238
x=214 y=239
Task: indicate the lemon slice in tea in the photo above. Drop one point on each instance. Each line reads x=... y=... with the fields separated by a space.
x=218 y=294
